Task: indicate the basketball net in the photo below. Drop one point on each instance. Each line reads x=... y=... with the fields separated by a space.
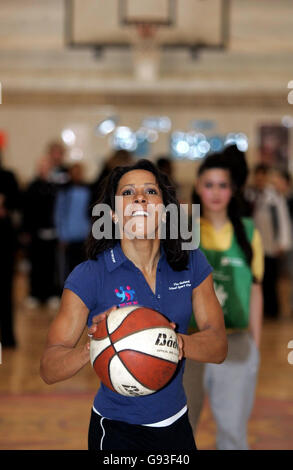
x=146 y=52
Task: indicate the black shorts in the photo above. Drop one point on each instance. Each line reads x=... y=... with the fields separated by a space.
x=107 y=434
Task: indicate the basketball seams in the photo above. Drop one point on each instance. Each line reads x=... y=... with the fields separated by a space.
x=130 y=373
x=102 y=344
x=133 y=308
x=101 y=337
x=109 y=362
x=109 y=375
x=104 y=351
x=117 y=352
x=101 y=327
x=118 y=326
x=147 y=354
x=138 y=331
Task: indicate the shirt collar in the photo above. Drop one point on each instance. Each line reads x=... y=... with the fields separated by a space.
x=206 y=224
x=114 y=257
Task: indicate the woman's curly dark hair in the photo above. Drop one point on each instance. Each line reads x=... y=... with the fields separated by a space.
x=176 y=256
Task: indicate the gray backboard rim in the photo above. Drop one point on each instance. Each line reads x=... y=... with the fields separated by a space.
x=222 y=45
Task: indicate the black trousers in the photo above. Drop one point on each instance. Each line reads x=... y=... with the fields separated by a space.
x=43 y=279
x=106 y=434
x=7 y=255
x=271 y=303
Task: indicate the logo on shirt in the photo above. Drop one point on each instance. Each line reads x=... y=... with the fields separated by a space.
x=235 y=262
x=180 y=285
x=221 y=294
x=113 y=256
x=126 y=296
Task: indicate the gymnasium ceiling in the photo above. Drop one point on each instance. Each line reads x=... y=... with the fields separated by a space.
x=34 y=57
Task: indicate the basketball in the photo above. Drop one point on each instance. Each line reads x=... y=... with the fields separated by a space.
x=134 y=351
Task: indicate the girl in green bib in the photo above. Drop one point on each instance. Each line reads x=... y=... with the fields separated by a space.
x=233 y=247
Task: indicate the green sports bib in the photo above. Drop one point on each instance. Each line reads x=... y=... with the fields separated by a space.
x=232 y=280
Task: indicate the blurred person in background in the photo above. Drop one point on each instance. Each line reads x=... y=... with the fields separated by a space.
x=233 y=158
x=72 y=221
x=58 y=174
x=9 y=203
x=233 y=248
x=40 y=236
x=282 y=182
x=271 y=216
x=236 y=160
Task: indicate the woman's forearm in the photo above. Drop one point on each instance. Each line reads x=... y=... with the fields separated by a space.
x=206 y=346
x=60 y=363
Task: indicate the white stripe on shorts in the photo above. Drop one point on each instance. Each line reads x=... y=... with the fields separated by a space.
x=101 y=443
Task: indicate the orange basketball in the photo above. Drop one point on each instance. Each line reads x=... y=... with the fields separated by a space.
x=134 y=351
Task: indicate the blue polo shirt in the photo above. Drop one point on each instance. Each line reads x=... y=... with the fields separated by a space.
x=113 y=279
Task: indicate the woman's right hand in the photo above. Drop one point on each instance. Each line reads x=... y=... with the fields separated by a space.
x=98 y=318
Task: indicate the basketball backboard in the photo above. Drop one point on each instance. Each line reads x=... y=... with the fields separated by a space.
x=186 y=23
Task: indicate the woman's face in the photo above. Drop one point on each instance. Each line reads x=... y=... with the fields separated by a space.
x=140 y=204
x=214 y=189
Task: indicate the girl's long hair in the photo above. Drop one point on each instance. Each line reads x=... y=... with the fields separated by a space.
x=176 y=257
x=218 y=160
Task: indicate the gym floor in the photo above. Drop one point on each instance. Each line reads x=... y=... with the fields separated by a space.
x=39 y=416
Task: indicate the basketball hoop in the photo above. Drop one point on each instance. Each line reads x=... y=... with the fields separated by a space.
x=146 y=30
x=190 y=24
x=146 y=52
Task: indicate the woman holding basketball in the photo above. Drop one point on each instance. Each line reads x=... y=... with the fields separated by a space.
x=233 y=247
x=152 y=267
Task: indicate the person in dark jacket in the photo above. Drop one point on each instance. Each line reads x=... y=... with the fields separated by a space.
x=72 y=221
x=9 y=202
x=38 y=224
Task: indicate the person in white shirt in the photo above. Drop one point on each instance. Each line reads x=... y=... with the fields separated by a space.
x=272 y=219
x=282 y=181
